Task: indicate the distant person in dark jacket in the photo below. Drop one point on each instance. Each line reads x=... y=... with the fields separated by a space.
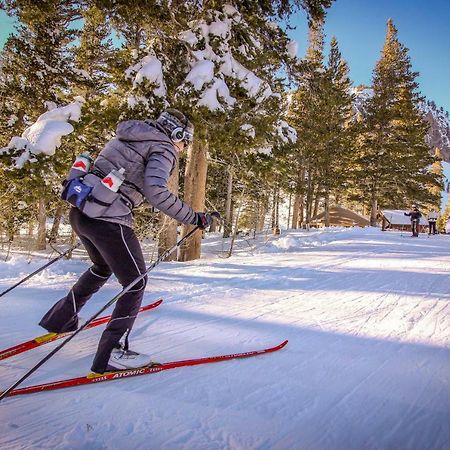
x=415 y=216
x=432 y=219
x=145 y=153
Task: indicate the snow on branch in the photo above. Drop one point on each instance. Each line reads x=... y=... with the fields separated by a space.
x=248 y=129
x=286 y=133
x=148 y=68
x=44 y=136
x=212 y=62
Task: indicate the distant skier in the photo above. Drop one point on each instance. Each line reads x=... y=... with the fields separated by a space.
x=133 y=167
x=432 y=219
x=415 y=216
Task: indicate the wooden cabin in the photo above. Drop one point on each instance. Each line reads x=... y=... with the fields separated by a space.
x=340 y=217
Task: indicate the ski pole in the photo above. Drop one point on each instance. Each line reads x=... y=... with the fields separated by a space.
x=112 y=301
x=40 y=269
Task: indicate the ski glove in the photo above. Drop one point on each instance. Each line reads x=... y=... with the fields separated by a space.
x=204 y=220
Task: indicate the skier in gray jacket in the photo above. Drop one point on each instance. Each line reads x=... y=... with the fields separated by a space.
x=148 y=151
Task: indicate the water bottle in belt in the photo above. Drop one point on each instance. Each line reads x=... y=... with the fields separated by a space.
x=81 y=166
x=114 y=179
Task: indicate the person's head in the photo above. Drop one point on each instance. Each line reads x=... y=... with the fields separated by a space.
x=413 y=206
x=178 y=127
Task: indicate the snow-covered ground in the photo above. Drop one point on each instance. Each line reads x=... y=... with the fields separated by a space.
x=367 y=366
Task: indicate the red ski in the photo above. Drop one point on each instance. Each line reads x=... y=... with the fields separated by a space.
x=50 y=337
x=94 y=378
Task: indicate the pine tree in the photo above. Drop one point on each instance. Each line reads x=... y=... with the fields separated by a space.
x=444 y=218
x=36 y=75
x=94 y=57
x=334 y=160
x=437 y=169
x=238 y=54
x=118 y=85
x=307 y=116
x=393 y=158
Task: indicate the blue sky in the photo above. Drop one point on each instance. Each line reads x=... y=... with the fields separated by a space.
x=360 y=28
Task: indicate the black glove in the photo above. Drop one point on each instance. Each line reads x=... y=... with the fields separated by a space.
x=204 y=220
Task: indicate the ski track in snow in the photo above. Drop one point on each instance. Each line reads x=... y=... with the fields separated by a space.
x=367 y=365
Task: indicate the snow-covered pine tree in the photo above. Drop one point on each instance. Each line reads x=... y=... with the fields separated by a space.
x=91 y=81
x=146 y=71
x=230 y=89
x=36 y=75
x=218 y=68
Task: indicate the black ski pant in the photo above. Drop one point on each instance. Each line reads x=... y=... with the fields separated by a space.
x=113 y=248
x=431 y=227
x=415 y=227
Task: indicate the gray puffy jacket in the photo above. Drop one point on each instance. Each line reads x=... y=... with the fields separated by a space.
x=148 y=156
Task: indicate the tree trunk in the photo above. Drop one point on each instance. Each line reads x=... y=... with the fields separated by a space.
x=236 y=225
x=42 y=218
x=316 y=203
x=296 y=211
x=301 y=198
x=272 y=214
x=309 y=199
x=277 y=210
x=289 y=210
x=228 y=219
x=232 y=214
x=276 y=227
x=373 y=209
x=327 y=208
x=255 y=217
x=56 y=223
x=194 y=194
x=275 y=213
x=301 y=214
x=167 y=237
x=261 y=219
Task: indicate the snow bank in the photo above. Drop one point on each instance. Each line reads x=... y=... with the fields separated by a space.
x=17 y=267
x=298 y=240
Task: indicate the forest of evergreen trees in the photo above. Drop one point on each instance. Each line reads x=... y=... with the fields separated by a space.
x=272 y=129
